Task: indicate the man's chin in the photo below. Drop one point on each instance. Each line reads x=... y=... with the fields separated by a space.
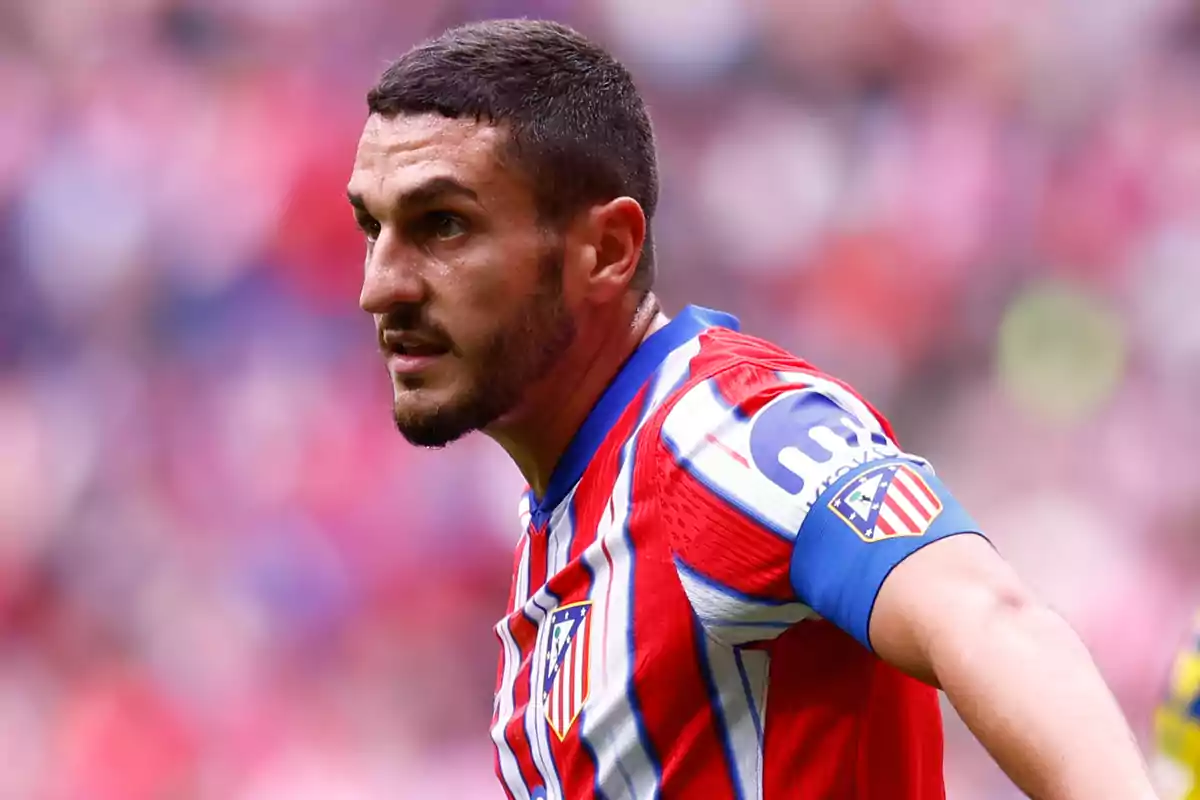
x=432 y=439
x=429 y=430
x=432 y=424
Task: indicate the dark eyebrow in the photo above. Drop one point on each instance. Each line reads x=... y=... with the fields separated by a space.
x=423 y=194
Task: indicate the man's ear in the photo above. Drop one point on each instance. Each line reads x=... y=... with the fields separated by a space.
x=616 y=231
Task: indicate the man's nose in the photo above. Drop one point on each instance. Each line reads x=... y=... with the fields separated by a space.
x=391 y=277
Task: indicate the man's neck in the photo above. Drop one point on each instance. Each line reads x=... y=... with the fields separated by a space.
x=538 y=435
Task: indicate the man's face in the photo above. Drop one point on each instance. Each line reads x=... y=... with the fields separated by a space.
x=464 y=283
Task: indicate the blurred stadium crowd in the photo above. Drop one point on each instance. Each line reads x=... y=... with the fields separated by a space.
x=223 y=575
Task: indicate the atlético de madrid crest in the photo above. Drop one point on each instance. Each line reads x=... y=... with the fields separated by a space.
x=566 y=680
x=887 y=501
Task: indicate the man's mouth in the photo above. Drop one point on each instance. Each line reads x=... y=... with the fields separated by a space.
x=408 y=353
x=418 y=349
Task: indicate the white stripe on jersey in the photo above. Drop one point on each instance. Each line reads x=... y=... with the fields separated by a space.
x=509 y=768
x=535 y=720
x=901 y=502
x=755 y=668
x=733 y=618
x=887 y=515
x=739 y=710
x=756 y=673
x=525 y=511
x=579 y=649
x=625 y=769
x=502 y=706
x=521 y=584
x=560 y=534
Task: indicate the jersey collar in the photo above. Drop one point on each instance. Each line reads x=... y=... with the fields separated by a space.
x=636 y=371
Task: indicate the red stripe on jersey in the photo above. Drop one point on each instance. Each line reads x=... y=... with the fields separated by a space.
x=668 y=682
x=900 y=486
x=705 y=530
x=748 y=387
x=885 y=526
x=586 y=644
x=537 y=560
x=524 y=633
x=589 y=510
x=910 y=525
x=560 y=709
x=890 y=747
x=753 y=363
x=594 y=492
x=734 y=454
x=607 y=608
x=931 y=500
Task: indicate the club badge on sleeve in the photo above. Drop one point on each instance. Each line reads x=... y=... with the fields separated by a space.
x=566 y=684
x=887 y=501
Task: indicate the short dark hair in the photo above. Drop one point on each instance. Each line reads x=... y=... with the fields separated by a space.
x=577 y=124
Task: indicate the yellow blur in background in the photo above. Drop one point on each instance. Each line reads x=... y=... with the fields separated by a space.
x=1176 y=760
x=224 y=575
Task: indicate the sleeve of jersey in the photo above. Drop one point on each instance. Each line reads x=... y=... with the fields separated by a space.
x=790 y=503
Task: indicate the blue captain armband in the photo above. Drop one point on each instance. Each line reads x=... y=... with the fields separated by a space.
x=860 y=528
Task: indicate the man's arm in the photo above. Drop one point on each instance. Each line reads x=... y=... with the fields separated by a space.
x=955 y=615
x=876 y=544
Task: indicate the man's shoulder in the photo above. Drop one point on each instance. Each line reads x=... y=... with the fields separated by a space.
x=737 y=375
x=723 y=349
x=761 y=430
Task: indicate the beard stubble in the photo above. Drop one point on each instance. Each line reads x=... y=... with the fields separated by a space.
x=519 y=353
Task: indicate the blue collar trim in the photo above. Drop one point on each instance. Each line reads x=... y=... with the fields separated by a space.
x=644 y=362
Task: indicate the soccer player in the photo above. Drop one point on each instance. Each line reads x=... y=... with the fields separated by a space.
x=1177 y=727
x=732 y=581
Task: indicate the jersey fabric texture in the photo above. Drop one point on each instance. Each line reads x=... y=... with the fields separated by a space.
x=691 y=597
x=1176 y=765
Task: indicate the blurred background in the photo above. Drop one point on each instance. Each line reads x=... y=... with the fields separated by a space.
x=222 y=573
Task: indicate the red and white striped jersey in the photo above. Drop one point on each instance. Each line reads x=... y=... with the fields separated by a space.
x=691 y=597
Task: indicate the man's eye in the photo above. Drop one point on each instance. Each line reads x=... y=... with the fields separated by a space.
x=370 y=227
x=443 y=225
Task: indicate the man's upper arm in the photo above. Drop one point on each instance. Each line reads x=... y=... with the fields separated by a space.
x=788 y=498
x=934 y=596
